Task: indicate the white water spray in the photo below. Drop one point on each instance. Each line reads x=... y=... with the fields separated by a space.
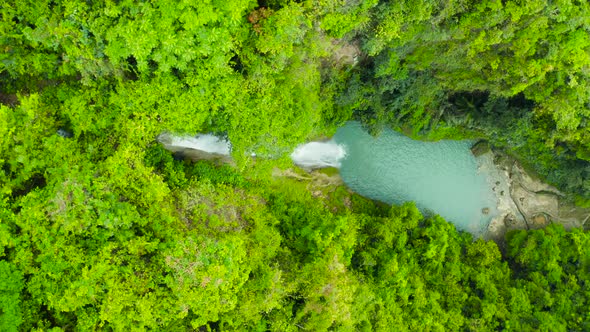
x=318 y=155
x=309 y=156
x=204 y=142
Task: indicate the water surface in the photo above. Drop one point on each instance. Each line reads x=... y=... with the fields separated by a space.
x=439 y=176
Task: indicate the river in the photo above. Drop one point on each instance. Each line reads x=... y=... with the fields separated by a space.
x=440 y=177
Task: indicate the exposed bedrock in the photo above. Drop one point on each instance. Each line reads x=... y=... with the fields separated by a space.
x=526 y=202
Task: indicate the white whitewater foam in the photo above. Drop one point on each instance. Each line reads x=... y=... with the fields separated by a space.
x=318 y=155
x=204 y=142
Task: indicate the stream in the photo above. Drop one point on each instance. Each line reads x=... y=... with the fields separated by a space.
x=440 y=177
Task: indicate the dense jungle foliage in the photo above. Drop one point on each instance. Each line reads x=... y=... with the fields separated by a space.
x=102 y=229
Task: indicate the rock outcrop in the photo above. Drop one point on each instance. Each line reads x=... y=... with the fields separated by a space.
x=196 y=155
x=524 y=201
x=480 y=148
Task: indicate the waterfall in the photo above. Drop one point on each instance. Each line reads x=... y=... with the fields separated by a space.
x=207 y=146
x=318 y=155
x=203 y=142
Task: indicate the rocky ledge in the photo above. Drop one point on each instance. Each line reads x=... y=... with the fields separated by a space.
x=524 y=201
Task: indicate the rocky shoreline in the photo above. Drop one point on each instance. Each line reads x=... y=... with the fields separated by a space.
x=524 y=201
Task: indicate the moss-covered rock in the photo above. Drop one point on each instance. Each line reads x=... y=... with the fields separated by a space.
x=480 y=148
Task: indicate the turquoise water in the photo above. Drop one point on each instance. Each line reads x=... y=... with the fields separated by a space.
x=439 y=176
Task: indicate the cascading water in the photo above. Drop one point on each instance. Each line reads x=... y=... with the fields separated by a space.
x=442 y=176
x=318 y=155
x=203 y=142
